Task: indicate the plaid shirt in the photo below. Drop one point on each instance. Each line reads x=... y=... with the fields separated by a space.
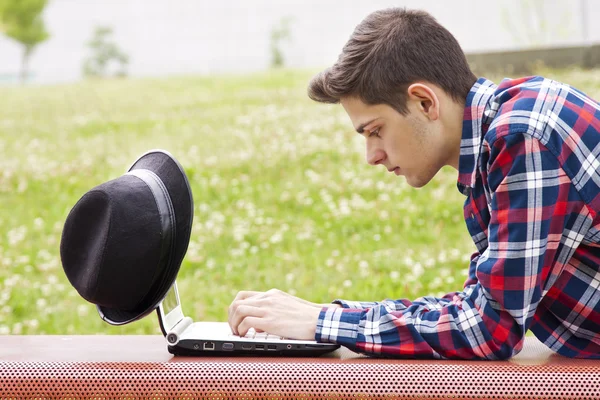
x=529 y=167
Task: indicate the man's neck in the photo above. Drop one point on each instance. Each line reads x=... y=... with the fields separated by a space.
x=453 y=127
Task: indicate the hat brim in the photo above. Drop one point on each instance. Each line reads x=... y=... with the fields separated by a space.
x=168 y=169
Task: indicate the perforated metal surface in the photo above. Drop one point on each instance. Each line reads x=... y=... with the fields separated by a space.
x=82 y=372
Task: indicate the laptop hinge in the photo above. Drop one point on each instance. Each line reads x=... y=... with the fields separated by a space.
x=175 y=333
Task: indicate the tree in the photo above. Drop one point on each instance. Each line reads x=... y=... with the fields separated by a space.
x=22 y=21
x=279 y=34
x=104 y=53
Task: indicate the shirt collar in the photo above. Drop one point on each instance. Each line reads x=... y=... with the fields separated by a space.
x=476 y=120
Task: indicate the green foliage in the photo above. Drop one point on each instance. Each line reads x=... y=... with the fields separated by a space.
x=280 y=34
x=283 y=197
x=22 y=21
x=104 y=55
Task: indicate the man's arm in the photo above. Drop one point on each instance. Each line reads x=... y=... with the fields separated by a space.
x=537 y=221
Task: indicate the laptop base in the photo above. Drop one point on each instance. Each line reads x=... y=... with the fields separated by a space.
x=268 y=349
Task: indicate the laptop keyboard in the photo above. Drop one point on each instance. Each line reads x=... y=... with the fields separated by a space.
x=253 y=335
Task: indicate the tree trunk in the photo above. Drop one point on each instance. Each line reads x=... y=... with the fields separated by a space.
x=25 y=63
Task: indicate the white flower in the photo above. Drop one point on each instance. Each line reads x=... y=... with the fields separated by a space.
x=17 y=328
x=15 y=236
x=436 y=283
x=33 y=323
x=24 y=259
x=210 y=263
x=442 y=257
x=38 y=223
x=82 y=310
x=276 y=238
x=383 y=197
x=418 y=269
x=46 y=289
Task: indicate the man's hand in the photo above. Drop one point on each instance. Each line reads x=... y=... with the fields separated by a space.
x=275 y=312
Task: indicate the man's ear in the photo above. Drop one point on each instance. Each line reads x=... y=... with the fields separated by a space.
x=426 y=100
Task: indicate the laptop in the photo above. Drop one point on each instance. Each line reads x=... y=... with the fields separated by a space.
x=188 y=338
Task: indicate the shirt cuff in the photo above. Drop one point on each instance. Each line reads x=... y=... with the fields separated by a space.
x=339 y=325
x=355 y=304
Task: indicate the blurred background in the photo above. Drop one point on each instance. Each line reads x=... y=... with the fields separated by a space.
x=283 y=197
x=165 y=37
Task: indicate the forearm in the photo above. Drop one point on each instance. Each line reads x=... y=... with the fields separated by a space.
x=450 y=327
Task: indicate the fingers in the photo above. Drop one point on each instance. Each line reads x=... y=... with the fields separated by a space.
x=243 y=295
x=241 y=313
x=251 y=322
x=253 y=306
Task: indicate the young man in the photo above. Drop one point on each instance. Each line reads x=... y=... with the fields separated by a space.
x=527 y=154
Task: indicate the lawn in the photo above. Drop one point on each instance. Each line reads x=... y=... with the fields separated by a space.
x=283 y=196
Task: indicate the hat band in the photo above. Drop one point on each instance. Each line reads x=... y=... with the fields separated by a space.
x=166 y=213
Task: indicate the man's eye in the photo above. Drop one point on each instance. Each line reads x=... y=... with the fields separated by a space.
x=374 y=132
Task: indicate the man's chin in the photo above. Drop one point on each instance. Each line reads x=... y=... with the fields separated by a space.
x=417 y=181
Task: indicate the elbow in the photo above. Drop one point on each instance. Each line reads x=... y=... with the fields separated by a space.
x=506 y=350
x=502 y=355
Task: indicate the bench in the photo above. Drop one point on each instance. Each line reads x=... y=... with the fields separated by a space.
x=140 y=367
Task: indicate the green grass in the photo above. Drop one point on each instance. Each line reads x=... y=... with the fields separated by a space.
x=283 y=196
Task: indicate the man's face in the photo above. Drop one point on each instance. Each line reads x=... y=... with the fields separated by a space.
x=410 y=145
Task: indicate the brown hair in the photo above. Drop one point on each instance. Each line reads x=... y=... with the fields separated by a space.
x=387 y=52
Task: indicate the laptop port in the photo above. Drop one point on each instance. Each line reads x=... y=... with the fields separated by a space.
x=260 y=347
x=208 y=346
x=272 y=347
x=246 y=347
x=227 y=346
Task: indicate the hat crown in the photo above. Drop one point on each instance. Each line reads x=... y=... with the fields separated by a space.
x=113 y=235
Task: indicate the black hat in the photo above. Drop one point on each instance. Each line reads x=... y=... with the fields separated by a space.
x=124 y=240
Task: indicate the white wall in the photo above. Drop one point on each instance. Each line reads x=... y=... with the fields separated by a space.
x=166 y=37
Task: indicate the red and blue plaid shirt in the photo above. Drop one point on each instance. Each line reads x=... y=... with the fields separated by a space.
x=530 y=168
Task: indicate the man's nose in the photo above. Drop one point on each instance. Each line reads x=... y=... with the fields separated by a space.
x=375 y=156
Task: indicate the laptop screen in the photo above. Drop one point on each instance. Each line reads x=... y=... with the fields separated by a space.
x=169 y=310
x=170 y=302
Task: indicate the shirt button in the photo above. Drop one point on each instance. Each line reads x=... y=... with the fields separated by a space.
x=472 y=216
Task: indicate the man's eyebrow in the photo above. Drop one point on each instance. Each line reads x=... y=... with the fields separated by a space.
x=361 y=127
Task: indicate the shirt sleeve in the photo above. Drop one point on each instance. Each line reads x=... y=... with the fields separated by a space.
x=537 y=220
x=358 y=305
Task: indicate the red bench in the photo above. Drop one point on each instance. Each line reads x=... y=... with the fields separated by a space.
x=139 y=367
